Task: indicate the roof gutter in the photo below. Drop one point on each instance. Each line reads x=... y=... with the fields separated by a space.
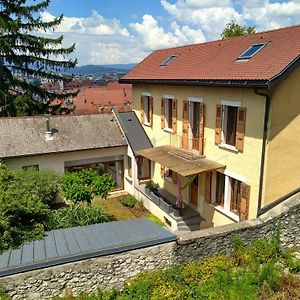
x=195 y=82
x=263 y=150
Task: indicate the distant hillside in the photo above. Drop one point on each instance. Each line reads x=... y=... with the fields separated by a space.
x=100 y=69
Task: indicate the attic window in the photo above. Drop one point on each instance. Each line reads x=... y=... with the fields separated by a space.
x=168 y=60
x=251 y=51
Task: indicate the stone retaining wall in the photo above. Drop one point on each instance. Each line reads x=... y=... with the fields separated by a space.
x=114 y=270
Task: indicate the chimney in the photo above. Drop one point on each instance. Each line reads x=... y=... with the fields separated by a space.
x=48 y=133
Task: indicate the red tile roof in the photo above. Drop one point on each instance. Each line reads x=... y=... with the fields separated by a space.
x=217 y=60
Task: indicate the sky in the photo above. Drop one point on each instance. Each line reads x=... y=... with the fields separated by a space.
x=126 y=31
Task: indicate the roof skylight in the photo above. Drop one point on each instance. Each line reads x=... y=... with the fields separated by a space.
x=252 y=51
x=168 y=60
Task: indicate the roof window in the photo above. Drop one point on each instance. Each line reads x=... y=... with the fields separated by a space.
x=251 y=51
x=168 y=60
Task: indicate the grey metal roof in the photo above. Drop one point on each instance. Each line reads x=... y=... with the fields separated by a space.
x=77 y=243
x=26 y=135
x=134 y=131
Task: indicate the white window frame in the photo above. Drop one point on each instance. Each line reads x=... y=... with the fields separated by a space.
x=147 y=96
x=227 y=195
x=166 y=108
x=225 y=104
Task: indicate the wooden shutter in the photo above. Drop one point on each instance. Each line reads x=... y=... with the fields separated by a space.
x=201 y=129
x=174 y=177
x=218 y=128
x=162 y=171
x=185 y=124
x=208 y=176
x=162 y=117
x=240 y=128
x=150 y=110
x=174 y=115
x=244 y=201
x=142 y=110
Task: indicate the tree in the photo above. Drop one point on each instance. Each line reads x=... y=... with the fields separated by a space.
x=25 y=52
x=233 y=29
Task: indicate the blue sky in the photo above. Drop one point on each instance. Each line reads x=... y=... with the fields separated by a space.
x=125 y=31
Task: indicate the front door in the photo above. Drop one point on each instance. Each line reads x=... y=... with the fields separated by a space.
x=194 y=191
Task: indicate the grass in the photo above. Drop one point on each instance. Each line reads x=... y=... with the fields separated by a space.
x=154 y=219
x=114 y=207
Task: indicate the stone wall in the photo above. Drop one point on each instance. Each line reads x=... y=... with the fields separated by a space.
x=114 y=270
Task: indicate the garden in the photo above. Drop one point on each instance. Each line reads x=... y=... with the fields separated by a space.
x=27 y=203
x=253 y=272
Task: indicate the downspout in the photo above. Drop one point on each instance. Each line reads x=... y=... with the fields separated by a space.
x=263 y=150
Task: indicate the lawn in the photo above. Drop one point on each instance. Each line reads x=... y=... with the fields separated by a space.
x=120 y=211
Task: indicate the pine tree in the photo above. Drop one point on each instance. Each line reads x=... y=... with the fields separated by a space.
x=24 y=51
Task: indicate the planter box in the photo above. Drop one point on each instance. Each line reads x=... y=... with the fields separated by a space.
x=148 y=192
x=155 y=198
x=165 y=206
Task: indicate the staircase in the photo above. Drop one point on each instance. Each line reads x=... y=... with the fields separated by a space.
x=189 y=221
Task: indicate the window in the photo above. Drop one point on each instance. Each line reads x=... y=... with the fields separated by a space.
x=168 y=60
x=146 y=109
x=251 y=51
x=230 y=126
x=129 y=166
x=231 y=195
x=144 y=167
x=168 y=113
x=168 y=174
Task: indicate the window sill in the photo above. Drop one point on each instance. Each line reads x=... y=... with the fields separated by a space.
x=170 y=179
x=129 y=179
x=147 y=124
x=228 y=147
x=227 y=213
x=169 y=130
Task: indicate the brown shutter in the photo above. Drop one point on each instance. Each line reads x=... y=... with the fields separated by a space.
x=185 y=124
x=218 y=129
x=208 y=187
x=174 y=115
x=162 y=171
x=142 y=110
x=174 y=177
x=201 y=129
x=240 y=128
x=150 y=110
x=162 y=117
x=244 y=201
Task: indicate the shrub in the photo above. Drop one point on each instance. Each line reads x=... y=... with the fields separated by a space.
x=102 y=185
x=74 y=189
x=129 y=201
x=83 y=185
x=78 y=215
x=22 y=219
x=151 y=185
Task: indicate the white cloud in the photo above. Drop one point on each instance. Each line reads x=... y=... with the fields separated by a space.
x=267 y=15
x=211 y=16
x=154 y=36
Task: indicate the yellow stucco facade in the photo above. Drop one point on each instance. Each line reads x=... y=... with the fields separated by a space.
x=282 y=168
x=244 y=166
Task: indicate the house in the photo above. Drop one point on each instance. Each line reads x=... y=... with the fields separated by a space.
x=101 y=99
x=224 y=120
x=65 y=143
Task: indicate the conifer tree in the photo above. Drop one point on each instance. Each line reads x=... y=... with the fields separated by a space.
x=25 y=52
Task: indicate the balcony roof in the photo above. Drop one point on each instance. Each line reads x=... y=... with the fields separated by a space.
x=179 y=161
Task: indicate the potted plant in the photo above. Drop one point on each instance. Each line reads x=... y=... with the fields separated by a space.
x=151 y=186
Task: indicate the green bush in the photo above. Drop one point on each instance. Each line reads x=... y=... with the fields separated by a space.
x=23 y=219
x=83 y=185
x=74 y=189
x=129 y=201
x=102 y=185
x=78 y=215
